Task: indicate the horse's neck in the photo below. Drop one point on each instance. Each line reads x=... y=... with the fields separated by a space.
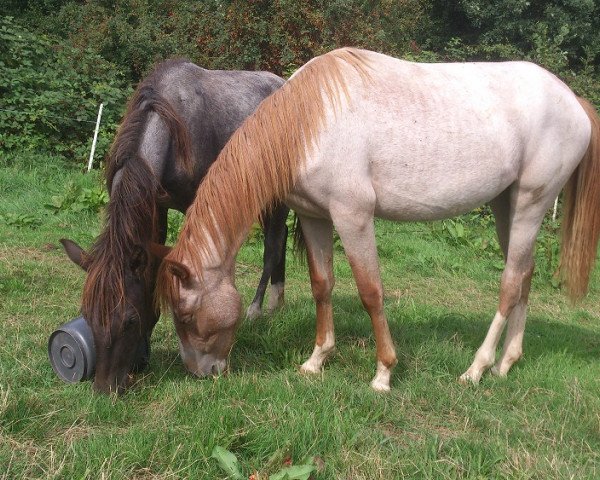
x=217 y=256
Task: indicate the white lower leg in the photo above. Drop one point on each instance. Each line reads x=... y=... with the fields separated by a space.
x=254 y=311
x=381 y=382
x=486 y=354
x=513 y=344
x=275 y=297
x=508 y=359
x=319 y=355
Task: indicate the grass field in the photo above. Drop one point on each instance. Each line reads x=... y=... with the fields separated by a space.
x=543 y=421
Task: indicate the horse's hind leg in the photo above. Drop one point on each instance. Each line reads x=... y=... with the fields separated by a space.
x=255 y=308
x=513 y=343
x=275 y=230
x=318 y=236
x=514 y=292
x=517 y=238
x=279 y=233
x=357 y=232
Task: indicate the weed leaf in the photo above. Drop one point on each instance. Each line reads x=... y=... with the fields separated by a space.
x=228 y=462
x=296 y=472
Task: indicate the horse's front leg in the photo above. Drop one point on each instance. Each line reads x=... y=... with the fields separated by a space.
x=357 y=232
x=318 y=236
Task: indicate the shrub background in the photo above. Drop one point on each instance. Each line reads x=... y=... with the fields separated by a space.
x=61 y=58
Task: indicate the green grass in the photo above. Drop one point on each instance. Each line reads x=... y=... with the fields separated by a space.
x=540 y=422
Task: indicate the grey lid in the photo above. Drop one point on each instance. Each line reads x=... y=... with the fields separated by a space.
x=71 y=351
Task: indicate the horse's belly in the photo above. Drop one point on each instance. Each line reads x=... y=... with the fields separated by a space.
x=414 y=204
x=427 y=172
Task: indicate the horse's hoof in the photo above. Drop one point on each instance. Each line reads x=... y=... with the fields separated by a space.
x=310 y=368
x=381 y=382
x=379 y=386
x=254 y=311
x=498 y=372
x=276 y=298
x=271 y=309
x=467 y=379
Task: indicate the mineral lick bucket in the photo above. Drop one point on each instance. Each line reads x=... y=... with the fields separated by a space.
x=73 y=356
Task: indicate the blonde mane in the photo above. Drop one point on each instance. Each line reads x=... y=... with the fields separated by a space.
x=261 y=162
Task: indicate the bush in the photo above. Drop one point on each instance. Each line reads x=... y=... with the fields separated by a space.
x=50 y=92
x=95 y=51
x=274 y=35
x=561 y=35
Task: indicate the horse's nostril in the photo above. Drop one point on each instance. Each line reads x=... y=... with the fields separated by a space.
x=219 y=367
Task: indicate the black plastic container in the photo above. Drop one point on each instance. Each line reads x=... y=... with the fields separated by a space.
x=73 y=356
x=71 y=351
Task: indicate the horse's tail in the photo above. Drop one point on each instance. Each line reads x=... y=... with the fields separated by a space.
x=147 y=99
x=581 y=216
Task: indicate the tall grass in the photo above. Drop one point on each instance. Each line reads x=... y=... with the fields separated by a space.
x=541 y=422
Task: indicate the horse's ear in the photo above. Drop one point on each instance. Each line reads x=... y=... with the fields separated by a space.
x=175 y=268
x=138 y=261
x=159 y=250
x=75 y=253
x=179 y=270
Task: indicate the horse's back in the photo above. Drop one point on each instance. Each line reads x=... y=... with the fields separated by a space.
x=211 y=105
x=215 y=100
x=427 y=141
x=231 y=96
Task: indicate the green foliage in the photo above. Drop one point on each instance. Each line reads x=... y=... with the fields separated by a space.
x=30 y=8
x=49 y=94
x=571 y=24
x=547 y=252
x=561 y=35
x=294 y=472
x=476 y=231
x=76 y=198
x=229 y=463
x=21 y=220
x=60 y=58
x=174 y=223
x=271 y=35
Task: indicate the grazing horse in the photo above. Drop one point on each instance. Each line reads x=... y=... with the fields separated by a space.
x=355 y=135
x=177 y=122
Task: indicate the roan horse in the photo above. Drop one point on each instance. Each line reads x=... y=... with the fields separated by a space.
x=356 y=134
x=178 y=120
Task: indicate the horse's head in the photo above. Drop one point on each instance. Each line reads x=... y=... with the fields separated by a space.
x=206 y=311
x=120 y=312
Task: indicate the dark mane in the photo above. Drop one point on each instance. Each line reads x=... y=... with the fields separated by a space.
x=131 y=219
x=129 y=135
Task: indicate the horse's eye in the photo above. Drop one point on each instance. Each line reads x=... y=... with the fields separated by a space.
x=130 y=321
x=183 y=317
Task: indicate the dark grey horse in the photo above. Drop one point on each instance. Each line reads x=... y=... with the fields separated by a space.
x=177 y=122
